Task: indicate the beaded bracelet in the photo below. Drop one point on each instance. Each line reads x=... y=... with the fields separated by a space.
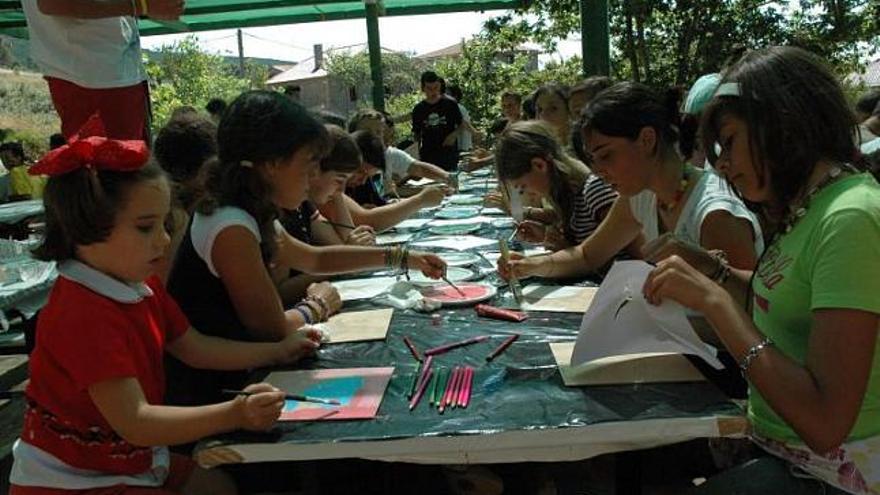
x=722 y=268
x=305 y=314
x=324 y=308
x=752 y=353
x=317 y=313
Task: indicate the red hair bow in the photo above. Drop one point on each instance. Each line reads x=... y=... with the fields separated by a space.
x=90 y=149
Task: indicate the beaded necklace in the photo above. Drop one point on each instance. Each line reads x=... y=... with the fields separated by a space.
x=798 y=210
x=679 y=193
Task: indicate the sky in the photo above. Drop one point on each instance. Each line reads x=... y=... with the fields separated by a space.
x=419 y=34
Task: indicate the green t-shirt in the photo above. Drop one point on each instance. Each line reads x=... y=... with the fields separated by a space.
x=830 y=259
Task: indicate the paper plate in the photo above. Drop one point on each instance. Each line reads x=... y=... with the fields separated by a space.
x=455 y=274
x=458 y=212
x=454 y=229
x=448 y=296
x=459 y=258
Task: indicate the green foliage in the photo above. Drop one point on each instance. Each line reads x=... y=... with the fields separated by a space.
x=27 y=112
x=673 y=42
x=400 y=73
x=181 y=74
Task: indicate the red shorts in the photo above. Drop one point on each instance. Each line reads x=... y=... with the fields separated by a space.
x=124 y=111
x=178 y=474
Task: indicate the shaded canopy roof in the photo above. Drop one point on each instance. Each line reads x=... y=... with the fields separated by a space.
x=204 y=15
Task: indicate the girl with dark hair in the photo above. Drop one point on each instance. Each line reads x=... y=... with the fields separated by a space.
x=629 y=133
x=182 y=148
x=269 y=148
x=532 y=164
x=780 y=130
x=95 y=420
x=307 y=225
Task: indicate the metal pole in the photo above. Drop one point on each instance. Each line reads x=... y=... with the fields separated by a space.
x=372 y=8
x=240 y=54
x=595 y=43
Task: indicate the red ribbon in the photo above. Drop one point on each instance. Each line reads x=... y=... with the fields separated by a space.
x=90 y=149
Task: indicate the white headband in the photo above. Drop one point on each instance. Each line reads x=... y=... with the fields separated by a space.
x=728 y=89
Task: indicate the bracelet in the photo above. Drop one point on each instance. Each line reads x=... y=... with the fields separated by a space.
x=324 y=308
x=317 y=314
x=305 y=314
x=752 y=353
x=722 y=267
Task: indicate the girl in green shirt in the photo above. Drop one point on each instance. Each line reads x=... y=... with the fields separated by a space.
x=804 y=325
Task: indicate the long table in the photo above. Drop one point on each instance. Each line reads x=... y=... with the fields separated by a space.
x=520 y=409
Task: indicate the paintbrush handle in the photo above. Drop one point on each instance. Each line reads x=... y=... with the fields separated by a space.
x=296 y=397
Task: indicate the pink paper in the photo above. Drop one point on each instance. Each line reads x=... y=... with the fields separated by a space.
x=360 y=390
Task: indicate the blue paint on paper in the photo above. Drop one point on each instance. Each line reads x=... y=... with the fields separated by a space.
x=342 y=389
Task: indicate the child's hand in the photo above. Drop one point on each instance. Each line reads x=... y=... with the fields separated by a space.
x=520 y=266
x=324 y=291
x=431 y=265
x=531 y=231
x=169 y=10
x=554 y=239
x=258 y=412
x=362 y=235
x=431 y=196
x=299 y=344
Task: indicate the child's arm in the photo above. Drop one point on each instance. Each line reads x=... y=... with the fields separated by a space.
x=206 y=352
x=239 y=264
x=122 y=403
x=428 y=170
x=392 y=214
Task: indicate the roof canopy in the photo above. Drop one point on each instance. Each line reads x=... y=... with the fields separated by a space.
x=204 y=15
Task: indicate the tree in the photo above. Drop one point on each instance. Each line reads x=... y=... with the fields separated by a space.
x=400 y=73
x=181 y=74
x=673 y=42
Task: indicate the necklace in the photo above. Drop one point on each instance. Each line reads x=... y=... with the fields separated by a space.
x=798 y=210
x=679 y=193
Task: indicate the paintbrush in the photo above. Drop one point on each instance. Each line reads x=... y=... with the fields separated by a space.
x=446 y=279
x=513 y=283
x=296 y=397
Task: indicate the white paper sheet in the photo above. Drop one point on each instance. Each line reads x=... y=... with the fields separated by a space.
x=493 y=211
x=363 y=288
x=620 y=321
x=559 y=299
x=412 y=224
x=424 y=181
x=456 y=242
x=461 y=221
x=399 y=238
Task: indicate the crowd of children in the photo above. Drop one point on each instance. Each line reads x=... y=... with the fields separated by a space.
x=753 y=201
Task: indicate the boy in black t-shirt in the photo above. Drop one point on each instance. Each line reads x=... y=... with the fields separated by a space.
x=436 y=123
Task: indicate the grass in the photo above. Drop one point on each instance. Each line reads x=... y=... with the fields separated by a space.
x=27 y=114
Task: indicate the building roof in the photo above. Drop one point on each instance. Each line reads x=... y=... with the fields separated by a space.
x=456 y=49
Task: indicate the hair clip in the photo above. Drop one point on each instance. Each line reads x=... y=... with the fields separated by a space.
x=246 y=163
x=729 y=89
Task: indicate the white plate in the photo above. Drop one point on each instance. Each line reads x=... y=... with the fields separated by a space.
x=458 y=212
x=455 y=274
x=487 y=292
x=457 y=258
